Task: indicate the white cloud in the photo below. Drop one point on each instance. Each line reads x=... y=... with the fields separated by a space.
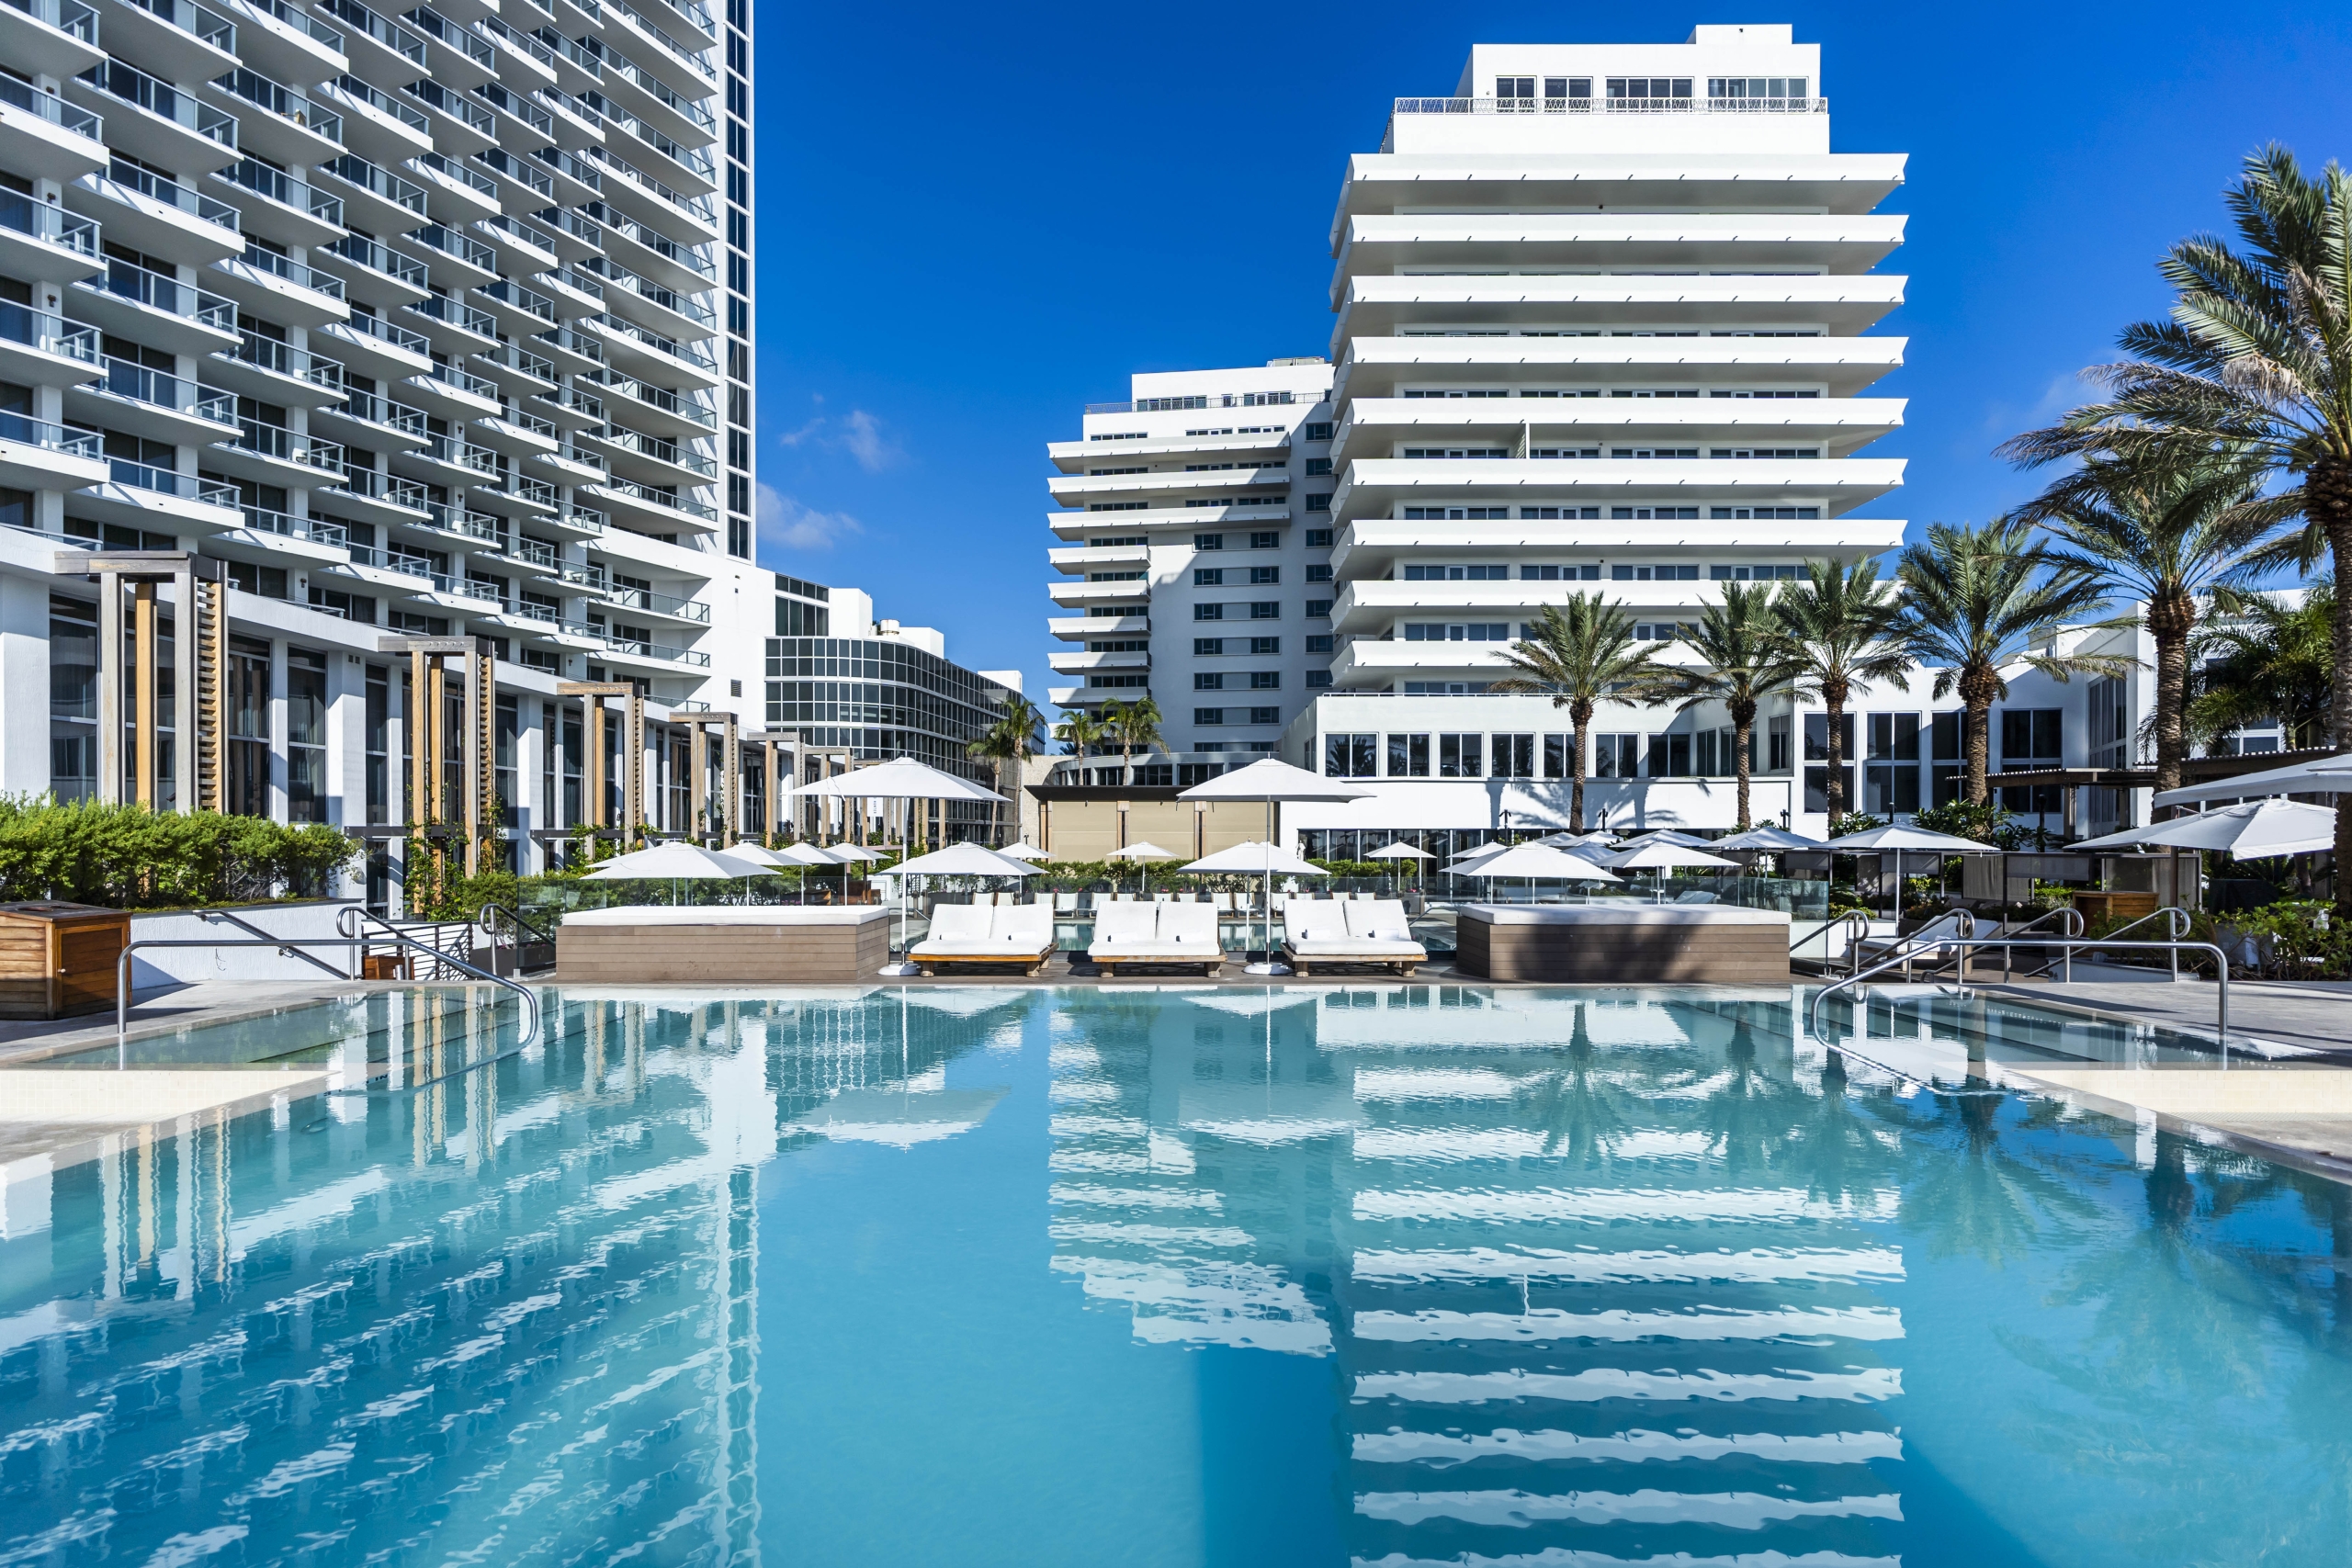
x=857 y=433
x=787 y=525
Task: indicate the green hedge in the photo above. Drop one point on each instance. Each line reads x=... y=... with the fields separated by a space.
x=127 y=857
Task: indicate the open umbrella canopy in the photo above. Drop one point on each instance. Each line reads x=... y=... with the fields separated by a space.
x=1659 y=854
x=1146 y=851
x=2322 y=775
x=1022 y=848
x=903 y=779
x=1254 y=857
x=1400 y=852
x=1767 y=838
x=2255 y=831
x=964 y=860
x=1909 y=840
x=1669 y=836
x=843 y=854
x=1467 y=863
x=2128 y=838
x=672 y=862
x=1539 y=861
x=1270 y=778
x=759 y=854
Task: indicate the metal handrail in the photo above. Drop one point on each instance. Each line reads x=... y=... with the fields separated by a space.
x=2178 y=922
x=1911 y=946
x=2220 y=962
x=483 y=918
x=247 y=926
x=1856 y=926
x=2071 y=921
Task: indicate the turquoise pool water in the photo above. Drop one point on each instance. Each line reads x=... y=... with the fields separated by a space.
x=1392 y=1276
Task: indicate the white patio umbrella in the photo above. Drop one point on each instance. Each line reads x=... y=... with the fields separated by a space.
x=1267 y=860
x=676 y=863
x=2256 y=829
x=1271 y=780
x=955 y=859
x=1022 y=848
x=902 y=779
x=1899 y=840
x=1143 y=854
x=806 y=856
x=2320 y=776
x=1661 y=855
x=1671 y=836
x=1769 y=837
x=2124 y=838
x=1401 y=852
x=1533 y=861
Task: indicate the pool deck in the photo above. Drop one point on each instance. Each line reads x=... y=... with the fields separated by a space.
x=2302 y=1115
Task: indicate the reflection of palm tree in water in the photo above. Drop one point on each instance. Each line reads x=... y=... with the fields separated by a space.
x=1834 y=1149
x=1987 y=1202
x=1747 y=1114
x=1579 y=1113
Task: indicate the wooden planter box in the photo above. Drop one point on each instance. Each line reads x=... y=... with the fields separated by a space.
x=57 y=960
x=2116 y=906
x=764 y=945
x=1628 y=944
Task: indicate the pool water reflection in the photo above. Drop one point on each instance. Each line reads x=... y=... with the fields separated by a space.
x=1394 y=1275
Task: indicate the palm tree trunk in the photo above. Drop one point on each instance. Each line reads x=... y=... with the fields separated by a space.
x=1580 y=715
x=1833 y=703
x=2170 y=622
x=1743 y=730
x=1978 y=718
x=2327 y=500
x=1127 y=764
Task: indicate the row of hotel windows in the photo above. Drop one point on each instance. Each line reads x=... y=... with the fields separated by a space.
x=1566 y=89
x=1591 y=573
x=1617 y=454
x=1501 y=631
x=1769 y=393
x=1617 y=514
x=1257 y=610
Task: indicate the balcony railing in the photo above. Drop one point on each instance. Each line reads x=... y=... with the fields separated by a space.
x=449 y=242
x=398 y=337
x=457 y=452
x=465 y=381
x=521 y=107
x=392 y=560
x=696 y=206
x=695 y=58
x=195 y=20
x=660 y=604
x=451 y=104
x=317 y=530
x=643 y=649
x=269 y=354
x=514 y=169
x=538 y=552
x=285 y=189
x=646 y=81
x=510 y=293
x=572 y=342
x=652 y=339
x=29 y=432
x=290 y=446
x=128 y=280
x=522 y=43
x=586 y=404
x=294 y=17
x=52 y=335
x=284 y=102
x=128 y=378
x=660 y=451
x=155 y=187
x=482 y=185
x=352 y=87
x=1685 y=104
x=120 y=80
x=693 y=158
x=49 y=106
x=587 y=519
x=506 y=356
x=661 y=397
x=692 y=258
x=65 y=16
x=655 y=293
x=376 y=257
x=453 y=37
x=292 y=271
x=457 y=313
x=405 y=494
x=52 y=225
x=167 y=482
x=519 y=230
x=654 y=496
x=389 y=33
x=373 y=408
x=358 y=171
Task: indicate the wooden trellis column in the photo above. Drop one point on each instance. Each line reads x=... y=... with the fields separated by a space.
x=591 y=695
x=199 y=656
x=429 y=739
x=730 y=760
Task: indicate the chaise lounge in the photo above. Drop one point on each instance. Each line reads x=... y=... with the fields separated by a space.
x=1169 y=935
x=986 y=933
x=1321 y=933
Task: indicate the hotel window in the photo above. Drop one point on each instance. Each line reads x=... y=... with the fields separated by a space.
x=1271 y=540
x=549 y=738
x=1314 y=430
x=1265 y=680
x=1473 y=631
x=1559 y=513
x=574 y=748
x=1558 y=757
x=1947 y=756
x=2033 y=737
x=1753 y=573
x=1318 y=609
x=1207 y=646
x=1208 y=577
x=1319 y=643
x=1816 y=749
x=306 y=735
x=246 y=706
x=1777 y=731
x=1456 y=514
x=1208 y=680
x=1350 y=756
x=1460 y=756
x=1265 y=645
x=1265 y=715
x=1514 y=756
x=1520 y=90
x=377 y=744
x=1654 y=514
x=504 y=726
x=1654 y=573
x=1770 y=89
x=1409 y=756
x=1764 y=515
x=1616 y=756
x=1208 y=611
x=1318 y=574
x=1664 y=91
x=1208 y=541
x=1670 y=756
x=1560 y=573
x=72 y=699
x=1317 y=680
x=1457 y=573
x=1319 y=538
x=1271 y=610
x=1208 y=715
x=1891 y=776
x=1264 y=576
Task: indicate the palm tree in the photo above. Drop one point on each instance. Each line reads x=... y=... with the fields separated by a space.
x=2256 y=356
x=1079 y=731
x=1136 y=727
x=1841 y=629
x=1580 y=652
x=1746 y=664
x=2270 y=663
x=1979 y=600
x=1011 y=738
x=2168 y=536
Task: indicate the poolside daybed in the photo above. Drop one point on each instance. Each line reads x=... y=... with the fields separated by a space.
x=988 y=933
x=1626 y=944
x=722 y=946
x=1172 y=935
x=1324 y=931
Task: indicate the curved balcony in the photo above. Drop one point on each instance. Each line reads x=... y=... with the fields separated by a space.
x=285 y=291
x=372 y=272
x=375 y=347
x=140 y=495
x=38 y=455
x=278 y=206
x=377 y=126
x=50 y=38
x=290 y=129
x=375 y=197
x=655 y=508
x=149 y=119
x=285 y=41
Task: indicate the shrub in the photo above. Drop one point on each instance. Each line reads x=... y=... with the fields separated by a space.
x=2295 y=940
x=1847 y=822
x=127 y=857
x=1986 y=823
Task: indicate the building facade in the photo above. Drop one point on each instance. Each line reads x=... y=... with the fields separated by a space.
x=1606 y=321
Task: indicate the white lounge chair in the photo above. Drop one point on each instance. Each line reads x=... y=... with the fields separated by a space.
x=1355 y=930
x=1172 y=935
x=984 y=933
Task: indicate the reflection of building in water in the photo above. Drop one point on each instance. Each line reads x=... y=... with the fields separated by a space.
x=519 y=1309
x=1436 y=1186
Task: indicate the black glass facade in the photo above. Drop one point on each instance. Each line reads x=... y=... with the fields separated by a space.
x=880 y=699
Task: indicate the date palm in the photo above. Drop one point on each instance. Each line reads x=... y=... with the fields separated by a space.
x=2266 y=661
x=1577 y=653
x=1012 y=738
x=1081 y=731
x=2257 y=355
x=1978 y=601
x=1746 y=664
x=1133 y=727
x=2169 y=535
x=1841 y=630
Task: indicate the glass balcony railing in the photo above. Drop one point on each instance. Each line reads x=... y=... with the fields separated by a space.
x=465 y=381
x=659 y=603
x=384 y=331
x=168 y=481
x=529 y=422
x=459 y=453
x=478 y=525
x=455 y=37
x=392 y=560
x=668 y=298
x=453 y=105
x=644 y=650
x=155 y=187
x=140 y=384
x=26 y=431
x=662 y=398
x=462 y=247
x=449 y=168
x=521 y=107
x=572 y=342
x=317 y=530
x=695 y=258
x=507 y=357
x=52 y=225
x=505 y=163
x=384 y=30
x=285 y=189
x=660 y=451
x=587 y=519
x=693 y=57
x=283 y=102
x=508 y=292
x=570 y=279
x=294 y=17
x=670 y=346
x=49 y=106
x=358 y=171
x=558 y=159
x=368 y=482
x=119 y=80
x=652 y=86
x=537 y=492
x=373 y=408
x=292 y=271
x=65 y=16
x=353 y=88
x=457 y=313
x=24 y=325
x=198 y=21
x=654 y=495
x=521 y=233
x=586 y=404
x=128 y=281
x=538 y=552
x=376 y=257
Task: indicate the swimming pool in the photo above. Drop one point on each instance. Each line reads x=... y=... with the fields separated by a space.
x=1392 y=1275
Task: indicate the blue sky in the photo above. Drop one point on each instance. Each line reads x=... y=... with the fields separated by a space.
x=974 y=220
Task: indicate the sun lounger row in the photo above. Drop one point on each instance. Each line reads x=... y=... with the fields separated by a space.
x=988 y=933
x=1322 y=932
